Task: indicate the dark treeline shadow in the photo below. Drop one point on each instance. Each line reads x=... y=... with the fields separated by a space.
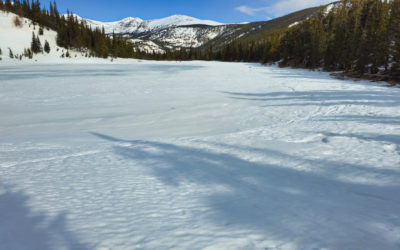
x=23 y=229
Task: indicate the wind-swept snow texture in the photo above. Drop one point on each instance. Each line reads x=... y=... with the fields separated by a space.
x=196 y=155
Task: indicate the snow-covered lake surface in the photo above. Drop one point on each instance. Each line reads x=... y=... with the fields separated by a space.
x=196 y=155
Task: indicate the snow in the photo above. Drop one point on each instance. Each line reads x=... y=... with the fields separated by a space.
x=173 y=31
x=19 y=38
x=179 y=20
x=329 y=8
x=195 y=155
x=137 y=25
x=187 y=36
x=147 y=46
x=293 y=24
x=335 y=6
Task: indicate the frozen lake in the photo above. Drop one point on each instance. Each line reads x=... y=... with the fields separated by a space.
x=195 y=155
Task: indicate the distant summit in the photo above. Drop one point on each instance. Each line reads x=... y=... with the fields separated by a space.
x=156 y=35
x=135 y=25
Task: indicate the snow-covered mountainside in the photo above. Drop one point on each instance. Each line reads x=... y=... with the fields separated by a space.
x=196 y=155
x=136 y=25
x=147 y=46
x=335 y=6
x=180 y=31
x=171 y=32
x=18 y=38
x=185 y=36
x=174 y=32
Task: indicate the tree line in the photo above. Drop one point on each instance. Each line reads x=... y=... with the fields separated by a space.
x=359 y=37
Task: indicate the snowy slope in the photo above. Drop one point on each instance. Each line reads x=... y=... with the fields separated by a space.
x=178 y=20
x=147 y=46
x=335 y=6
x=196 y=155
x=179 y=31
x=19 y=38
x=186 y=36
x=137 y=25
x=171 y=32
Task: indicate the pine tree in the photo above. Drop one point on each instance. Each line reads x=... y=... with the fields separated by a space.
x=10 y=54
x=36 y=45
x=394 y=27
x=39 y=45
x=17 y=21
x=47 y=47
x=8 y=5
x=33 y=43
x=28 y=53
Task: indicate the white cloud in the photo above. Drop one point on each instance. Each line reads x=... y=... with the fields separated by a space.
x=282 y=7
x=250 y=11
x=288 y=6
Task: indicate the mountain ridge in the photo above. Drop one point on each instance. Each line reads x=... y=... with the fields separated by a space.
x=139 y=25
x=181 y=31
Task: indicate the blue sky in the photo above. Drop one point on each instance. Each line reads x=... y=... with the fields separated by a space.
x=225 y=11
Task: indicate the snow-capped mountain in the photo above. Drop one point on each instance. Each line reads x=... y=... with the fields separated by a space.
x=137 y=25
x=155 y=35
x=180 y=31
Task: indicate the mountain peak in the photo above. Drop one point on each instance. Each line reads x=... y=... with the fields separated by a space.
x=179 y=20
x=131 y=19
x=138 y=25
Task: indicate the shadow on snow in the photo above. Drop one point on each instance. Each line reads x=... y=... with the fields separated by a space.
x=281 y=200
x=390 y=120
x=21 y=228
x=395 y=139
x=322 y=98
x=99 y=70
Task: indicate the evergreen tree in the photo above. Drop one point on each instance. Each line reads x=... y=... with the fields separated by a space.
x=17 y=21
x=28 y=53
x=10 y=53
x=8 y=5
x=36 y=45
x=394 y=27
x=47 y=47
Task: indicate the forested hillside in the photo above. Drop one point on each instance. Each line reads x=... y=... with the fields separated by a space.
x=259 y=30
x=72 y=34
x=359 y=37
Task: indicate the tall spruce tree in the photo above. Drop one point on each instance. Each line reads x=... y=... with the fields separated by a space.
x=36 y=45
x=47 y=47
x=10 y=53
x=394 y=27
